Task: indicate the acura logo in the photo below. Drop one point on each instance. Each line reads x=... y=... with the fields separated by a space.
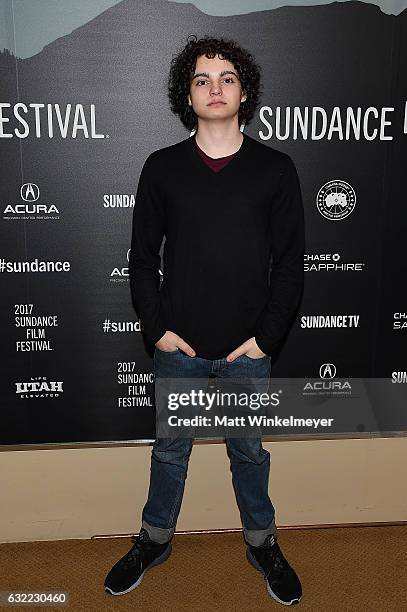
x=29 y=192
x=327 y=370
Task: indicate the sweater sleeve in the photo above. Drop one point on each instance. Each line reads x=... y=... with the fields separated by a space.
x=287 y=249
x=144 y=262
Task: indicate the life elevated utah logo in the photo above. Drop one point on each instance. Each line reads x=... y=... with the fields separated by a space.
x=30 y=208
x=336 y=200
x=39 y=387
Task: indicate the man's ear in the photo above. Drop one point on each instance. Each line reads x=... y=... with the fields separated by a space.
x=243 y=97
x=189 y=100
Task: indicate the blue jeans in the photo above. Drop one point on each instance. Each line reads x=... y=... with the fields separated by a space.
x=249 y=461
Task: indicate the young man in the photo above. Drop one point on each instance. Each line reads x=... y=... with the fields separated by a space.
x=226 y=204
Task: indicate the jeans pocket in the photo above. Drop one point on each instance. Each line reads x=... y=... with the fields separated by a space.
x=255 y=358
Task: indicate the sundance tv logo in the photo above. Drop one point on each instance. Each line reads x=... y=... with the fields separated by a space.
x=328 y=321
x=31 y=209
x=336 y=200
x=399 y=377
x=119 y=200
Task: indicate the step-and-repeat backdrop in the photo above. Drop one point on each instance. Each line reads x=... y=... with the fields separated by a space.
x=80 y=113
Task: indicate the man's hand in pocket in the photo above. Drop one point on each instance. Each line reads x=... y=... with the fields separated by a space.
x=249 y=348
x=171 y=342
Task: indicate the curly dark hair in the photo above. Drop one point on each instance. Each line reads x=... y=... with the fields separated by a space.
x=182 y=70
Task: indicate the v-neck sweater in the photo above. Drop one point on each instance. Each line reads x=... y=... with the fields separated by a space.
x=222 y=230
x=215 y=164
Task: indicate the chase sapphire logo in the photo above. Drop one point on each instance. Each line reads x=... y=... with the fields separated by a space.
x=336 y=200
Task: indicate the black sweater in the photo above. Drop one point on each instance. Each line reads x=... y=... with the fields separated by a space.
x=221 y=230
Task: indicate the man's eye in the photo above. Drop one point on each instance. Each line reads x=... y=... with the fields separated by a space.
x=226 y=79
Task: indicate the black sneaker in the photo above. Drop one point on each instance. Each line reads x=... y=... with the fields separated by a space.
x=128 y=572
x=282 y=582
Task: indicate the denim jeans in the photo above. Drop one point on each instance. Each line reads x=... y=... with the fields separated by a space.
x=249 y=461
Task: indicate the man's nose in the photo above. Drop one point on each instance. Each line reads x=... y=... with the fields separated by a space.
x=215 y=89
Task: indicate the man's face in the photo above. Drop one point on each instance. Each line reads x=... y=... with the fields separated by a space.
x=215 y=80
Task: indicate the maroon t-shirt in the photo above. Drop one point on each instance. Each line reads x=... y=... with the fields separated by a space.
x=214 y=164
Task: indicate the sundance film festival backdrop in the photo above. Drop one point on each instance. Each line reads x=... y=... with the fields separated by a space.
x=83 y=102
